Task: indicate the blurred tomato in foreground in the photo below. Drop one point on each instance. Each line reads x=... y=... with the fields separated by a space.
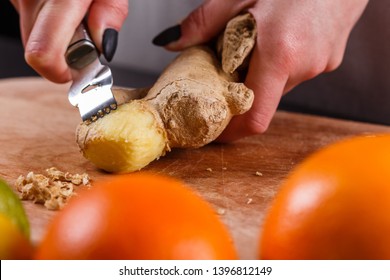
x=137 y=216
x=14 y=245
x=335 y=205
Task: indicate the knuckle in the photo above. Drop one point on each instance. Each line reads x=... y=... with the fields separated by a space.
x=37 y=55
x=257 y=127
x=333 y=64
x=257 y=124
x=197 y=20
x=315 y=69
x=44 y=62
x=119 y=9
x=284 y=49
x=198 y=17
x=286 y=43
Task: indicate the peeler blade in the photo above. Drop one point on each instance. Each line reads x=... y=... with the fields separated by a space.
x=91 y=90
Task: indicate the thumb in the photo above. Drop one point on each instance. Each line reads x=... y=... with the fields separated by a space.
x=204 y=23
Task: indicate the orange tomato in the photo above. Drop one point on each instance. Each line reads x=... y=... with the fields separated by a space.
x=335 y=205
x=137 y=216
x=14 y=245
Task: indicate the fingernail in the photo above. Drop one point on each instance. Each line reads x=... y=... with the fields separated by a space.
x=167 y=36
x=110 y=42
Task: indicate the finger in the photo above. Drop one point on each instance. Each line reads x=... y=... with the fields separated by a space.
x=107 y=15
x=268 y=83
x=207 y=21
x=28 y=12
x=50 y=36
x=316 y=65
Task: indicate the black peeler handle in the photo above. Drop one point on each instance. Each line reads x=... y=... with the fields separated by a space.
x=81 y=50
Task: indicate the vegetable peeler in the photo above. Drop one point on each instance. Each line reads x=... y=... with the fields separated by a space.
x=92 y=81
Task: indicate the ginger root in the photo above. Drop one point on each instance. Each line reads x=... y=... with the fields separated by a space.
x=188 y=107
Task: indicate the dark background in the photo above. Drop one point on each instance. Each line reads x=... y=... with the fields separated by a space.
x=12 y=62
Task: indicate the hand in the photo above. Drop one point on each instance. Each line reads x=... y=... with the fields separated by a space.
x=47 y=26
x=297 y=40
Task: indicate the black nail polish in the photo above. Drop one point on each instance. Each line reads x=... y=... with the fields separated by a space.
x=168 y=36
x=110 y=42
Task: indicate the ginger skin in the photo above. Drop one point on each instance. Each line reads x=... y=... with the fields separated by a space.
x=188 y=107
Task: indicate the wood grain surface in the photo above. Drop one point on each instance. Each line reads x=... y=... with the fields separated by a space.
x=37 y=131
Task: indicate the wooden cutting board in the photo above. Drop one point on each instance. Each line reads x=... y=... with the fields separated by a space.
x=37 y=131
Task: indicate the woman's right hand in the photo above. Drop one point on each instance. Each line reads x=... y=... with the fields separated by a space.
x=297 y=40
x=47 y=26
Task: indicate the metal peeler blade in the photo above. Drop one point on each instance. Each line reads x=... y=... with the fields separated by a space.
x=92 y=81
